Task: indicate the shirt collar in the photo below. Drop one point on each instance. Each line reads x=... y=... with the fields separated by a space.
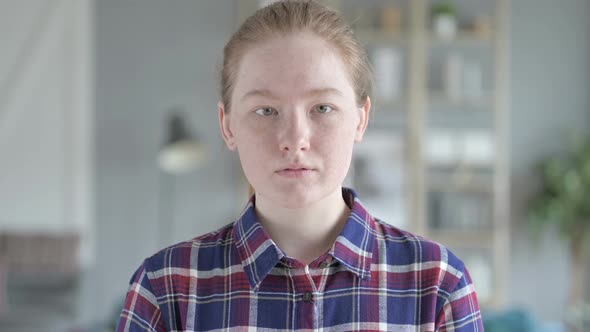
x=353 y=248
x=258 y=252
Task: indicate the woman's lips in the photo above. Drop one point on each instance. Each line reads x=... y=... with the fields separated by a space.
x=295 y=172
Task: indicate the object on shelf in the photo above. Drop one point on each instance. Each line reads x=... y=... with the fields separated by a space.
x=478 y=148
x=444 y=21
x=446 y=147
x=459 y=210
x=441 y=148
x=391 y=19
x=472 y=80
x=387 y=62
x=378 y=173
x=463 y=79
x=482 y=27
x=452 y=76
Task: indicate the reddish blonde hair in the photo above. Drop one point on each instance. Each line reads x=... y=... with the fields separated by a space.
x=290 y=16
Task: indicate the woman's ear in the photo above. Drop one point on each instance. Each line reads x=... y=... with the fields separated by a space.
x=363 y=120
x=224 y=125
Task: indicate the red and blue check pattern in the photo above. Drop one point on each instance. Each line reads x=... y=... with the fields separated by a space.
x=375 y=278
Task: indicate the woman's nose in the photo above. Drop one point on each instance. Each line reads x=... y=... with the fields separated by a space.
x=294 y=133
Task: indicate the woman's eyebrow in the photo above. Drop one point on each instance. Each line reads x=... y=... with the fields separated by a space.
x=312 y=92
x=259 y=93
x=324 y=91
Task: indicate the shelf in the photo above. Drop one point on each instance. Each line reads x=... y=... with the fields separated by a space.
x=460 y=212
x=376 y=36
x=463 y=38
x=478 y=170
x=459 y=183
x=439 y=98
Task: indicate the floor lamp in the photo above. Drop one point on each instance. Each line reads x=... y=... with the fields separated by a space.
x=181 y=153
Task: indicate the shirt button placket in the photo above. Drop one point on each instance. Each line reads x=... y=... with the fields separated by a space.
x=308 y=308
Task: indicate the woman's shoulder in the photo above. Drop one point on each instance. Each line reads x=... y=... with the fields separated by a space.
x=404 y=247
x=198 y=250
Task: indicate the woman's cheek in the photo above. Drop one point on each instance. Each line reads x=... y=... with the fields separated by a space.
x=258 y=123
x=258 y=133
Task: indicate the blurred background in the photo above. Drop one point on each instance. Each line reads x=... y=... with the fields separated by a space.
x=110 y=148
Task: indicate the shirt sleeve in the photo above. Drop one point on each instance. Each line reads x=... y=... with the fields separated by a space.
x=460 y=312
x=141 y=311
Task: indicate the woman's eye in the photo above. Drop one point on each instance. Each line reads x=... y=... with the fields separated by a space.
x=324 y=109
x=266 y=111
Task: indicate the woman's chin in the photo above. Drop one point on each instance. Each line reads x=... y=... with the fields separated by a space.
x=297 y=196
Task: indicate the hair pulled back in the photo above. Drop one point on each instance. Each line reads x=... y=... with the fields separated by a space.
x=291 y=16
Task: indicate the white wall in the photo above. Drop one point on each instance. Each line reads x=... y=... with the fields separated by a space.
x=46 y=137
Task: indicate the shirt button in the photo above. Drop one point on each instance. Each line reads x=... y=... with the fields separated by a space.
x=324 y=265
x=307 y=297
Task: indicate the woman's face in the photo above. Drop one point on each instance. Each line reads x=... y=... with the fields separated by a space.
x=294 y=119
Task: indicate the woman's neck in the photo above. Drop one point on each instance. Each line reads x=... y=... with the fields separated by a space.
x=307 y=232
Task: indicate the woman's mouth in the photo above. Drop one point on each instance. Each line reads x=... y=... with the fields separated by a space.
x=298 y=172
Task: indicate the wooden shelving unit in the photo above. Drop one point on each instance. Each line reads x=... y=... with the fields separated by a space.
x=477 y=165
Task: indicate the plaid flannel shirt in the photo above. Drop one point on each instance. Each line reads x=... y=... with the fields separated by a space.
x=376 y=277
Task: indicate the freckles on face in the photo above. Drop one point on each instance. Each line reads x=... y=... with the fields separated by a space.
x=294 y=107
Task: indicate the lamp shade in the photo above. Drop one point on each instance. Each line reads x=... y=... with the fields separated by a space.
x=182 y=152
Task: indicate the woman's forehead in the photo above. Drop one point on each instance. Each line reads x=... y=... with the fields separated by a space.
x=271 y=94
x=302 y=63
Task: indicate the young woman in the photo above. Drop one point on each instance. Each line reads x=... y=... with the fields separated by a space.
x=305 y=254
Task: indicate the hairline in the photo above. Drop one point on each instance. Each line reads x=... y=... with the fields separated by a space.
x=274 y=35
